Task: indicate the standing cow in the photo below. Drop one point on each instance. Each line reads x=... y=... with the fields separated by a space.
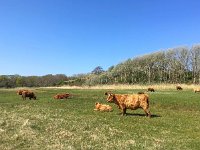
x=130 y=101
x=150 y=90
x=29 y=94
x=179 y=87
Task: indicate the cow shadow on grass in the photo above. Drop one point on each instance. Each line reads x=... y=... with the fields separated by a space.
x=142 y=115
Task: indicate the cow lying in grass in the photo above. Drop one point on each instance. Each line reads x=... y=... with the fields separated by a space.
x=102 y=107
x=196 y=90
x=150 y=90
x=62 y=96
x=179 y=87
x=29 y=94
x=130 y=101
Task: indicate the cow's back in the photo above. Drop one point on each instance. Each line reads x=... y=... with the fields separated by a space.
x=135 y=101
x=132 y=101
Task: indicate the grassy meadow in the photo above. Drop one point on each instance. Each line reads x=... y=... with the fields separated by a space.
x=46 y=124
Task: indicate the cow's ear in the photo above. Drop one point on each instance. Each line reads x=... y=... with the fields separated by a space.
x=106 y=93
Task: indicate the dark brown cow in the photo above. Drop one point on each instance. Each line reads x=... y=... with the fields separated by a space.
x=62 y=96
x=130 y=101
x=179 y=87
x=150 y=90
x=28 y=94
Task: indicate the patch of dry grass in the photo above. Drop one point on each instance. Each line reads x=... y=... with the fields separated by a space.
x=136 y=86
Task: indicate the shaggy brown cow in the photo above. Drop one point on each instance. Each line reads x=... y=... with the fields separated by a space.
x=62 y=96
x=102 y=107
x=19 y=92
x=178 y=87
x=151 y=89
x=130 y=101
x=196 y=90
x=28 y=94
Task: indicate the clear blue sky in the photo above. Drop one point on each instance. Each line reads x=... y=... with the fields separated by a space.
x=39 y=37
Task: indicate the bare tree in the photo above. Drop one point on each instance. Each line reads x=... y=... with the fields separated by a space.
x=195 y=59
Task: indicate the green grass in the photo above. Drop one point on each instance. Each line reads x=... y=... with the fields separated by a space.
x=73 y=124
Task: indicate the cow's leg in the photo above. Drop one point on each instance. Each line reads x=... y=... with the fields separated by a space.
x=23 y=97
x=123 y=108
x=124 y=111
x=147 y=112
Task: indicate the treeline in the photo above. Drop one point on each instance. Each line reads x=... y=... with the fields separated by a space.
x=10 y=81
x=175 y=65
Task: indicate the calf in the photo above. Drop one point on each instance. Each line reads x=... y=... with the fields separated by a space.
x=179 y=87
x=102 y=107
x=151 y=90
x=61 y=96
x=130 y=101
x=196 y=90
x=28 y=94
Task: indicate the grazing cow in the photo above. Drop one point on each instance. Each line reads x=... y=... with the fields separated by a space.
x=196 y=90
x=102 y=107
x=130 y=101
x=62 y=96
x=179 y=87
x=28 y=94
x=151 y=90
x=19 y=92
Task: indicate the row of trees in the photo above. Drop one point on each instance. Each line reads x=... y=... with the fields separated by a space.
x=10 y=81
x=175 y=65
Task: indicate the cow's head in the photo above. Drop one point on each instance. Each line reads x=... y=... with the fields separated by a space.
x=55 y=97
x=19 y=92
x=110 y=97
x=97 y=105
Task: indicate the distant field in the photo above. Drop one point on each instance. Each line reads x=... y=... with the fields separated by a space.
x=135 y=86
x=73 y=124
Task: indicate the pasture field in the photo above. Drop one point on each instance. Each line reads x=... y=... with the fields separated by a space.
x=48 y=124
